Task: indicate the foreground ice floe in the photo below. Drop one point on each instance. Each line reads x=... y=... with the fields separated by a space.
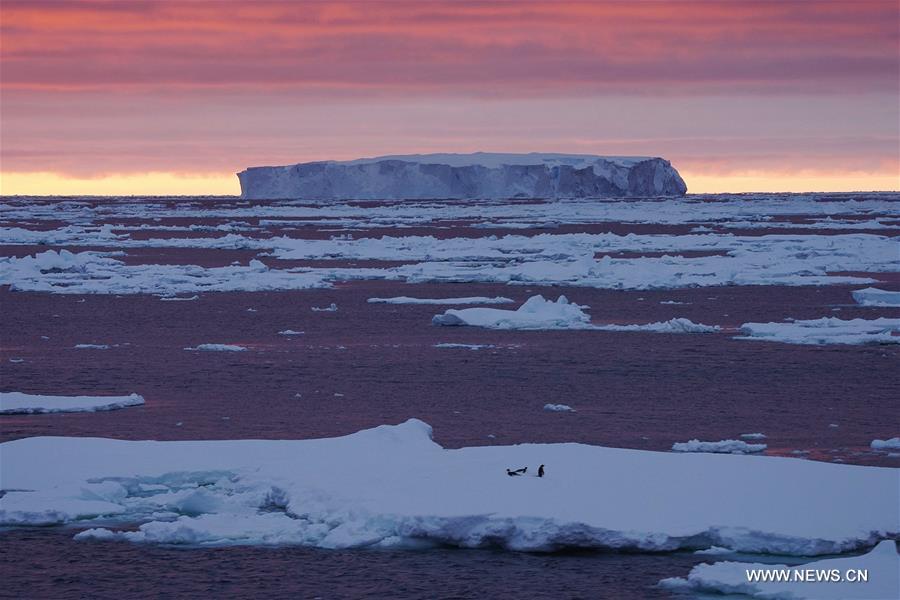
x=876 y=297
x=19 y=403
x=827 y=330
x=393 y=486
x=721 y=447
x=540 y=313
x=466 y=300
x=830 y=579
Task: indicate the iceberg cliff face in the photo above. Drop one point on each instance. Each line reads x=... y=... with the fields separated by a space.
x=478 y=175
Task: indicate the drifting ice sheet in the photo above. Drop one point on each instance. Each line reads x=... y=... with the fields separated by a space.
x=828 y=330
x=891 y=444
x=722 y=447
x=392 y=485
x=558 y=408
x=539 y=313
x=876 y=297
x=882 y=565
x=18 y=403
x=467 y=300
x=217 y=348
x=536 y=313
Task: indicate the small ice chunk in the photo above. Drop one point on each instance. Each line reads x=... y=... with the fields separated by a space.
x=875 y=297
x=891 y=444
x=290 y=332
x=464 y=300
x=558 y=408
x=330 y=308
x=753 y=436
x=217 y=348
x=721 y=447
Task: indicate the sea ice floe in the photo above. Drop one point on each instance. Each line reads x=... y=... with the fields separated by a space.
x=558 y=408
x=872 y=576
x=290 y=332
x=753 y=436
x=464 y=346
x=890 y=444
x=330 y=308
x=217 y=348
x=91 y=346
x=535 y=313
x=541 y=314
x=466 y=300
x=721 y=447
x=875 y=297
x=546 y=259
x=393 y=486
x=20 y=403
x=64 y=272
x=827 y=330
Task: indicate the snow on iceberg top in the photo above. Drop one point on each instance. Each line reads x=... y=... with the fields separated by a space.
x=481 y=175
x=493 y=160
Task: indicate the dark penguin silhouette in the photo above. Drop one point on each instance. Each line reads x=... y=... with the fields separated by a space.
x=541 y=471
x=512 y=473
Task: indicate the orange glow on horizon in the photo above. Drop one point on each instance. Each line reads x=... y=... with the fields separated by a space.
x=226 y=184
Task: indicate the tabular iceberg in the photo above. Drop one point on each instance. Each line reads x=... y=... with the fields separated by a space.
x=478 y=175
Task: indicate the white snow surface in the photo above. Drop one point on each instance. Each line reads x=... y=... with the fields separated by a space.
x=465 y=300
x=827 y=330
x=540 y=313
x=12 y=403
x=890 y=444
x=558 y=408
x=535 y=313
x=728 y=577
x=721 y=447
x=875 y=297
x=393 y=486
x=217 y=348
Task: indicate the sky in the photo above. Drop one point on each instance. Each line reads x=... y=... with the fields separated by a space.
x=174 y=97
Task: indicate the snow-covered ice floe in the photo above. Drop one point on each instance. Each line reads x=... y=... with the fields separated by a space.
x=12 y=403
x=535 y=313
x=66 y=272
x=876 y=297
x=753 y=436
x=546 y=259
x=464 y=346
x=827 y=330
x=290 y=332
x=394 y=486
x=467 y=300
x=558 y=408
x=330 y=308
x=540 y=313
x=830 y=579
x=891 y=444
x=217 y=348
x=720 y=447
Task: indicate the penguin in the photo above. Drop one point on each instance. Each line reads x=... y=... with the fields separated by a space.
x=541 y=471
x=512 y=473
